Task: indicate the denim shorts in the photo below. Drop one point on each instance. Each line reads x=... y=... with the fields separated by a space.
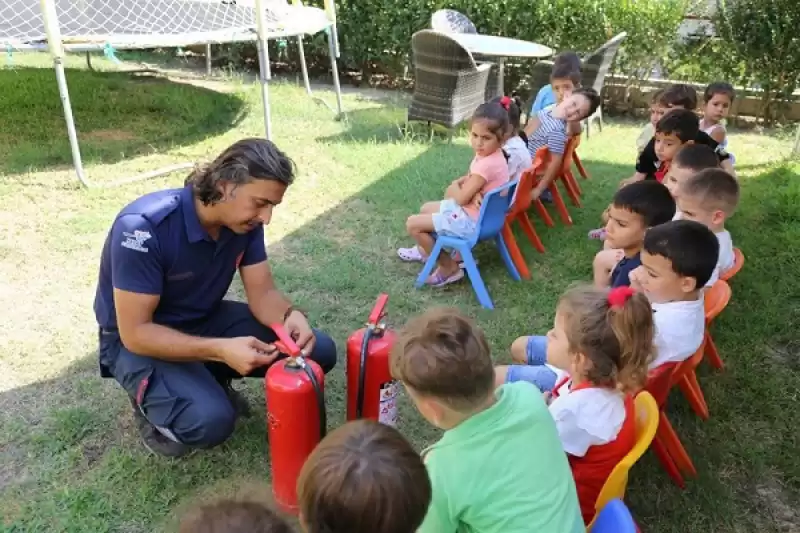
x=535 y=371
x=453 y=221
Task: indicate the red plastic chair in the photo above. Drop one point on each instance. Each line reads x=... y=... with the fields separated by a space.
x=738 y=263
x=716 y=299
x=666 y=444
x=519 y=213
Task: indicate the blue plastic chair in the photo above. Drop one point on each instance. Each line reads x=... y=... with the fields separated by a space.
x=614 y=518
x=491 y=219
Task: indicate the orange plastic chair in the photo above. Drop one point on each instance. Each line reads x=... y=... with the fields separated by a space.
x=519 y=212
x=666 y=443
x=646 y=426
x=577 y=161
x=540 y=161
x=716 y=299
x=738 y=263
x=570 y=183
x=685 y=378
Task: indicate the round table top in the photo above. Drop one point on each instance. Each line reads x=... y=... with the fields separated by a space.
x=491 y=45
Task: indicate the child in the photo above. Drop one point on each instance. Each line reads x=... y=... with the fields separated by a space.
x=636 y=207
x=676 y=129
x=674 y=97
x=515 y=147
x=718 y=99
x=603 y=340
x=499 y=467
x=457 y=214
x=710 y=197
x=234 y=516
x=363 y=477
x=564 y=78
x=678 y=258
x=656 y=112
x=689 y=160
x=550 y=128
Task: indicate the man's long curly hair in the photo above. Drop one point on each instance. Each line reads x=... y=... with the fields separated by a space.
x=241 y=163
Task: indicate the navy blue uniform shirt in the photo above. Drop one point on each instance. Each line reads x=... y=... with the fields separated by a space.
x=157 y=246
x=620 y=274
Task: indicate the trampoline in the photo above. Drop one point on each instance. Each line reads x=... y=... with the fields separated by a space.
x=63 y=26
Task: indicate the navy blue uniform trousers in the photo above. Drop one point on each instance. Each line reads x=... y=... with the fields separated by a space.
x=188 y=399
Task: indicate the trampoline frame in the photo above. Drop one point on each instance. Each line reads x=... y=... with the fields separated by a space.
x=58 y=47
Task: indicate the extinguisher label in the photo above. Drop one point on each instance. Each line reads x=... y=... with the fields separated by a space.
x=387 y=413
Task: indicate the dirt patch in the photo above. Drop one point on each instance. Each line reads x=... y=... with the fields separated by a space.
x=773 y=496
x=109 y=135
x=785 y=354
x=12 y=466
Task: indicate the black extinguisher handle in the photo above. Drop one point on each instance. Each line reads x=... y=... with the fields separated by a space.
x=362 y=370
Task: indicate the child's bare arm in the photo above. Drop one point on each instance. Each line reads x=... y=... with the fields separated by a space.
x=464 y=193
x=603 y=264
x=531 y=125
x=574 y=128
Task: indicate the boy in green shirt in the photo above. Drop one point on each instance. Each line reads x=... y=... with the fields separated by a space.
x=500 y=466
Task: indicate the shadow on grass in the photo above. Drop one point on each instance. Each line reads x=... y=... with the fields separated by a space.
x=117 y=115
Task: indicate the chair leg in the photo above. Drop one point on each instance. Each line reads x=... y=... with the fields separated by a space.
x=694 y=394
x=579 y=165
x=543 y=214
x=667 y=462
x=475 y=277
x=572 y=188
x=561 y=207
x=430 y=264
x=527 y=227
x=506 y=256
x=674 y=447
x=712 y=354
x=515 y=252
x=574 y=183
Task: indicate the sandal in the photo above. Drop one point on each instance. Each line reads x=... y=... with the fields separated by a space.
x=411 y=255
x=437 y=279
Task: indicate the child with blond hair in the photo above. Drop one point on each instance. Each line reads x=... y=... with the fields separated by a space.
x=602 y=341
x=499 y=467
x=710 y=197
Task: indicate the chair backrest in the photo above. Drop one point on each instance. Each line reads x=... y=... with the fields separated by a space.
x=613 y=518
x=597 y=64
x=659 y=382
x=492 y=216
x=689 y=365
x=738 y=263
x=522 y=195
x=646 y=425
x=716 y=299
x=451 y=21
x=438 y=52
x=569 y=151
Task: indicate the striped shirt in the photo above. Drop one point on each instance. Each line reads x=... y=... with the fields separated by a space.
x=552 y=132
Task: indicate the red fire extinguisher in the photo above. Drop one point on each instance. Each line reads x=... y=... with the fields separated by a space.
x=371 y=390
x=296 y=420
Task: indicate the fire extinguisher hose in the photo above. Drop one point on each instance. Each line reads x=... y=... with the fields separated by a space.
x=362 y=371
x=323 y=418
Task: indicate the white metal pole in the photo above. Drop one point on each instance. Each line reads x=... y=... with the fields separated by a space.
x=303 y=65
x=263 y=60
x=56 y=48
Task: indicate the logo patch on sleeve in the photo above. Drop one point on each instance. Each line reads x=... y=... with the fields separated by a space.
x=135 y=240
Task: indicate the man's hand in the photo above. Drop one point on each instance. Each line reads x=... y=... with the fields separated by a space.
x=245 y=354
x=298 y=329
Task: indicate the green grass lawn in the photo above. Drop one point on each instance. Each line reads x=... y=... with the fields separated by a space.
x=69 y=456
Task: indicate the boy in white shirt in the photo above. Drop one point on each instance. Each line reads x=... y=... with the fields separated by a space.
x=710 y=197
x=678 y=259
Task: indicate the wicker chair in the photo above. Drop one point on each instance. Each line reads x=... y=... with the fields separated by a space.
x=448 y=84
x=451 y=21
x=594 y=71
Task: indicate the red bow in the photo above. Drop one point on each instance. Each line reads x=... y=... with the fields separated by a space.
x=505 y=102
x=618 y=296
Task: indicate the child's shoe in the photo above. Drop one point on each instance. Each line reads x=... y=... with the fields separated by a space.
x=598 y=234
